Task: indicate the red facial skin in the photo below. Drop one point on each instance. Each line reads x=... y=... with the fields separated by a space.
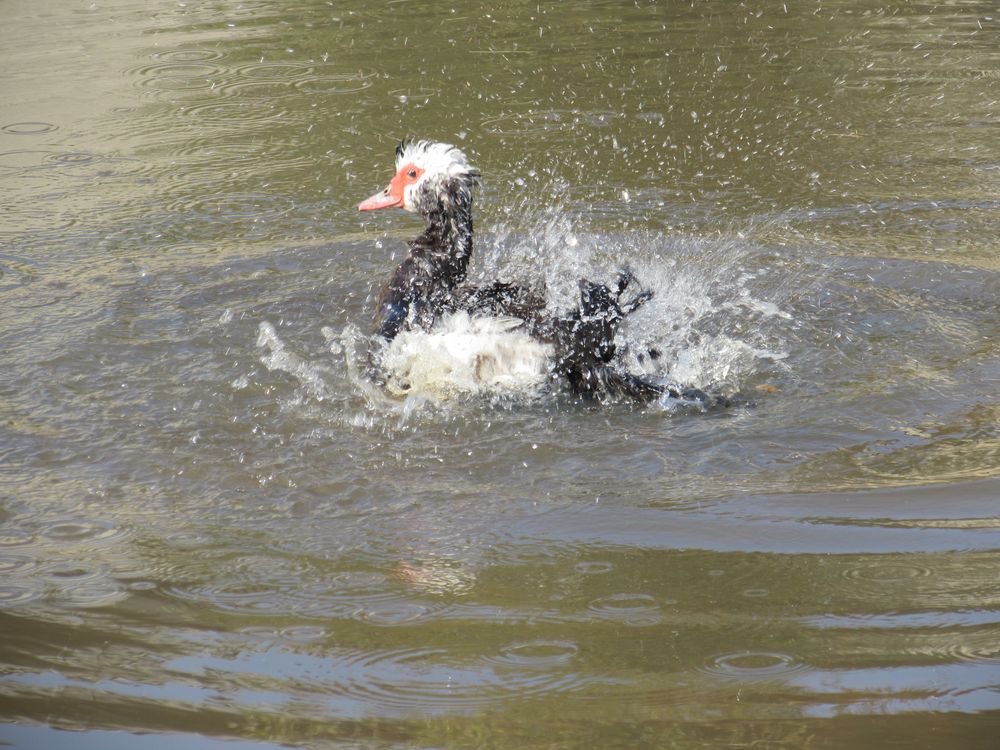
x=393 y=195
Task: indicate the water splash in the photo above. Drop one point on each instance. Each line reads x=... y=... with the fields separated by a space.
x=715 y=321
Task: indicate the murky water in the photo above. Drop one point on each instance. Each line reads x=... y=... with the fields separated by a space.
x=214 y=533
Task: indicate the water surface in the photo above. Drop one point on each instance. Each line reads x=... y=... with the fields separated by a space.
x=214 y=533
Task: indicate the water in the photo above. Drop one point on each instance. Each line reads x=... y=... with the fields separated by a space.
x=215 y=533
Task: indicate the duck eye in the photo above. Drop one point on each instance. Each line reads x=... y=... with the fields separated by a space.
x=411 y=174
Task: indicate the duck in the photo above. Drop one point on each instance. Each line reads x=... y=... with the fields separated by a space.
x=436 y=181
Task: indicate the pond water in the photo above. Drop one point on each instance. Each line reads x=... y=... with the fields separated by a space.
x=215 y=534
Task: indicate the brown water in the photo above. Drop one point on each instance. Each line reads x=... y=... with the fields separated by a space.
x=214 y=534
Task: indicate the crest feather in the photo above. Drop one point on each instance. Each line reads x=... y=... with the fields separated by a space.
x=439 y=160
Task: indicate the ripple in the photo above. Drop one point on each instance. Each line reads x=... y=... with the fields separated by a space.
x=72 y=158
x=335 y=84
x=632 y=609
x=215 y=149
x=428 y=680
x=102 y=593
x=593 y=568
x=75 y=531
x=250 y=584
x=24 y=159
x=15 y=538
x=28 y=128
x=70 y=574
x=188 y=55
x=261 y=584
x=409 y=679
x=16 y=564
x=303 y=633
x=256 y=206
x=275 y=71
x=959 y=618
x=89 y=165
x=15 y=596
x=984 y=648
x=187 y=539
x=978 y=647
x=753 y=665
x=537 y=654
x=266 y=80
x=886 y=571
x=241 y=113
x=15 y=272
x=182 y=75
x=68 y=583
x=963 y=635
x=246 y=598
x=397 y=612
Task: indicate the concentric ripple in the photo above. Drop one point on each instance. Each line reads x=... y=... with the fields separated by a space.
x=84 y=165
x=72 y=530
x=15 y=538
x=593 y=567
x=71 y=574
x=235 y=112
x=392 y=610
x=264 y=585
x=28 y=128
x=431 y=680
x=753 y=665
x=16 y=564
x=638 y=610
x=24 y=159
x=886 y=571
x=265 y=80
x=193 y=54
x=173 y=75
x=249 y=584
x=303 y=633
x=275 y=71
x=540 y=654
x=12 y=595
x=72 y=158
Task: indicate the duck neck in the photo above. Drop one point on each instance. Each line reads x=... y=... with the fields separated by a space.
x=446 y=243
x=422 y=286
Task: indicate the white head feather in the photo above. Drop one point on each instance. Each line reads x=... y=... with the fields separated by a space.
x=441 y=163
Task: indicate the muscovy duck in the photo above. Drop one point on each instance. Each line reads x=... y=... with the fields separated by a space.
x=436 y=180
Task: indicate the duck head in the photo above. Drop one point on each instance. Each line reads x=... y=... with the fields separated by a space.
x=427 y=175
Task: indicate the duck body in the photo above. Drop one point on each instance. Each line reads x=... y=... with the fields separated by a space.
x=497 y=333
